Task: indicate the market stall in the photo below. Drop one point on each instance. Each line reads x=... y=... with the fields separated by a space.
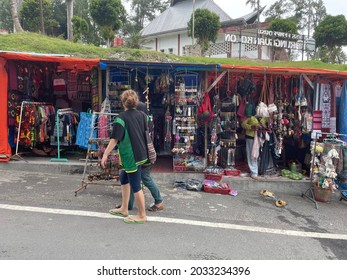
x=172 y=92
x=33 y=88
x=285 y=104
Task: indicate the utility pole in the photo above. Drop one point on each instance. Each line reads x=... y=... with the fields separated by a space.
x=309 y=25
x=193 y=31
x=41 y=18
x=258 y=24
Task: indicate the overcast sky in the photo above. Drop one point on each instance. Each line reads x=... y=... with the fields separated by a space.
x=238 y=8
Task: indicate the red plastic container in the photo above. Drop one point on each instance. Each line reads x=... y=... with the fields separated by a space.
x=214 y=177
x=233 y=172
x=223 y=188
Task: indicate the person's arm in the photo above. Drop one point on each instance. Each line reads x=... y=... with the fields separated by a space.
x=245 y=125
x=113 y=143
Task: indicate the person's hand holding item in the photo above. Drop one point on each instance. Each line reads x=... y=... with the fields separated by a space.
x=109 y=148
x=254 y=127
x=103 y=161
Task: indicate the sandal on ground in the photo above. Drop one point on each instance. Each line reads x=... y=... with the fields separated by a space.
x=267 y=193
x=155 y=208
x=280 y=203
x=131 y=220
x=116 y=213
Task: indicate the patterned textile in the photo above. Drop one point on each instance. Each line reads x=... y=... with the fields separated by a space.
x=72 y=85
x=14 y=100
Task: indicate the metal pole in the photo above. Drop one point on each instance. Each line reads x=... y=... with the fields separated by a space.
x=259 y=47
x=19 y=126
x=193 y=35
x=240 y=45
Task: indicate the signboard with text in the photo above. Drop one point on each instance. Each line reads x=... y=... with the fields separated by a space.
x=272 y=39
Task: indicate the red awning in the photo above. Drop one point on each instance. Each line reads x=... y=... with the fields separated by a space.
x=285 y=70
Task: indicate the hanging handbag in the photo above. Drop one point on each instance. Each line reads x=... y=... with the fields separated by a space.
x=205 y=113
x=151 y=153
x=241 y=111
x=262 y=109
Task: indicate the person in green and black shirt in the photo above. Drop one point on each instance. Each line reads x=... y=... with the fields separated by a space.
x=129 y=134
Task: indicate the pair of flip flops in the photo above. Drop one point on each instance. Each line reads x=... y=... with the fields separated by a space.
x=278 y=202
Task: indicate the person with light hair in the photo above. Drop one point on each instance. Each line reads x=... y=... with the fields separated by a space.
x=129 y=134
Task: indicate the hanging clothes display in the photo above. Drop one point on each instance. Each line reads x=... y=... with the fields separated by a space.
x=34 y=125
x=67 y=123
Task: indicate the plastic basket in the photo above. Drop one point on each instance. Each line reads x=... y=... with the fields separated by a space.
x=214 y=177
x=232 y=172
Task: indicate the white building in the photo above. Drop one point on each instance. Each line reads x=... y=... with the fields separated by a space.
x=168 y=32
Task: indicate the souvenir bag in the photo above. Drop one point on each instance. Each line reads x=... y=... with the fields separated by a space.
x=250 y=107
x=152 y=154
x=262 y=109
x=246 y=86
x=272 y=107
x=241 y=111
x=205 y=113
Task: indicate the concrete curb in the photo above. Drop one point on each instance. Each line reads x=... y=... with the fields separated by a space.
x=74 y=167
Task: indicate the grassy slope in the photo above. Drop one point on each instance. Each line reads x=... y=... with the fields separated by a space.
x=32 y=42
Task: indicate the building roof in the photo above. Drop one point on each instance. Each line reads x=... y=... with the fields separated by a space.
x=176 y=17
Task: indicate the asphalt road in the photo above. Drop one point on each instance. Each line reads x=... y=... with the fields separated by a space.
x=41 y=219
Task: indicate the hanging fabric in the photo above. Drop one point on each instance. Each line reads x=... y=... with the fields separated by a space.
x=85 y=130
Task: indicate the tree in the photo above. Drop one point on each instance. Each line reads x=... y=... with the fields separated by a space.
x=80 y=28
x=15 y=18
x=30 y=15
x=58 y=16
x=81 y=10
x=286 y=26
x=206 y=27
x=145 y=11
x=135 y=41
x=42 y=23
x=69 y=15
x=336 y=55
x=331 y=33
x=279 y=9
x=6 y=21
x=308 y=13
x=108 y=14
x=254 y=4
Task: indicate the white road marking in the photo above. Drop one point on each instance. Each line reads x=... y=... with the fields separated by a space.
x=178 y=221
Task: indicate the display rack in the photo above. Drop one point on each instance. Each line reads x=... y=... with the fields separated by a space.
x=229 y=124
x=184 y=123
x=23 y=104
x=59 y=113
x=309 y=193
x=118 y=82
x=93 y=173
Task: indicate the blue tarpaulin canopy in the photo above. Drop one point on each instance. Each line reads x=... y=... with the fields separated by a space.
x=158 y=65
